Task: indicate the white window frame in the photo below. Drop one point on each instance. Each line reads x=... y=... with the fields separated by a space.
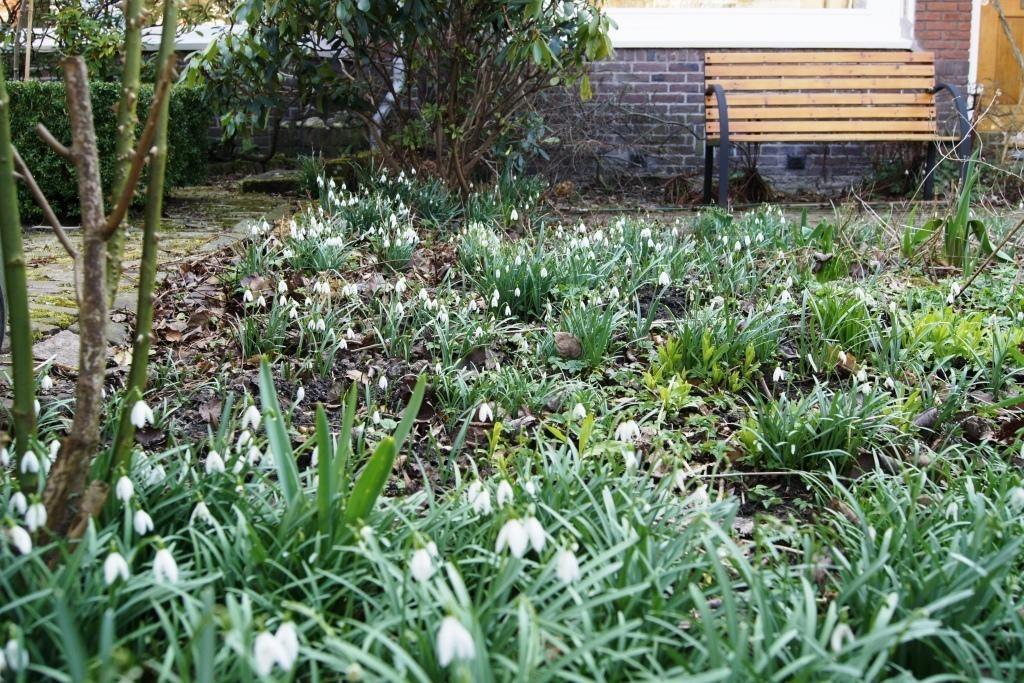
x=883 y=24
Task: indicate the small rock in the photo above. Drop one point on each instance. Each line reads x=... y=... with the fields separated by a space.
x=61 y=349
x=976 y=429
x=568 y=346
x=314 y=122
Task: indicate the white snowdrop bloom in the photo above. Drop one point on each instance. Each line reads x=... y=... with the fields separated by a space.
x=282 y=287
x=287 y=637
x=54 y=450
x=142 y=522
x=567 y=566
x=631 y=460
x=478 y=332
x=779 y=375
x=505 y=494
x=495 y=299
x=513 y=536
x=508 y=311
x=700 y=498
x=543 y=272
x=579 y=411
x=401 y=285
x=421 y=565
x=244 y=439
x=862 y=375
x=37 y=406
x=664 y=280
x=514 y=215
x=165 y=569
x=383 y=383
x=124 y=489
x=20 y=539
x=214 y=463
x=321 y=325
x=253 y=456
x=531 y=488
x=115 y=567
x=627 y=432
x=841 y=635
x=737 y=246
x=865 y=388
x=479 y=498
x=535 y=531
x=518 y=293
x=785 y=297
x=46 y=383
x=746 y=240
x=266 y=652
x=889 y=383
x=1016 y=498
x=843 y=357
x=35 y=516
x=5 y=458
x=15 y=655
x=17 y=504
x=485 y=414
x=261 y=302
x=29 y=463
x=454 y=642
x=300 y=394
x=251 y=418
x=247 y=297
x=141 y=415
x=201 y=513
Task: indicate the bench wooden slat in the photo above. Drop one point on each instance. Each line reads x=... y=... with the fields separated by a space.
x=836 y=137
x=862 y=126
x=818 y=70
x=813 y=99
x=834 y=57
x=823 y=83
x=789 y=113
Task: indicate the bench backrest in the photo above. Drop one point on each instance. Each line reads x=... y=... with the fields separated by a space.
x=823 y=96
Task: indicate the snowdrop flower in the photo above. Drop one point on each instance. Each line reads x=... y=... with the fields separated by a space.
x=29 y=463
x=288 y=638
x=383 y=383
x=214 y=463
x=664 y=280
x=479 y=498
x=485 y=414
x=300 y=394
x=514 y=536
x=700 y=498
x=251 y=418
x=567 y=566
x=38 y=407
x=266 y=652
x=421 y=565
x=247 y=297
x=841 y=635
x=535 y=531
x=631 y=461
x=142 y=522
x=35 y=516
x=15 y=655
x=889 y=383
x=141 y=415
x=954 y=292
x=115 y=567
x=5 y=457
x=543 y=272
x=627 y=432
x=579 y=412
x=124 y=489
x=454 y=642
x=505 y=494
x=514 y=215
x=261 y=302
x=165 y=569
x=45 y=384
x=20 y=539
x=1016 y=498
x=530 y=488
x=201 y=513
x=18 y=503
x=785 y=297
x=779 y=375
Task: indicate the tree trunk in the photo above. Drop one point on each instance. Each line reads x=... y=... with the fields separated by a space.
x=68 y=476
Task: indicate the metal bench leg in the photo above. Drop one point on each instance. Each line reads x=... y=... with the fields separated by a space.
x=709 y=165
x=966 y=141
x=723 y=145
x=929 y=169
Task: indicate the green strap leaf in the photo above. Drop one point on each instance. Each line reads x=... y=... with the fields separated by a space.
x=277 y=436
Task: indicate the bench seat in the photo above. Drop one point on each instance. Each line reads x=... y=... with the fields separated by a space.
x=824 y=97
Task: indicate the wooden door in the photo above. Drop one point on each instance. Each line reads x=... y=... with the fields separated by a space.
x=999 y=72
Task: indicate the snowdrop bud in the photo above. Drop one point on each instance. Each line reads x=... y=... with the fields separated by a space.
x=115 y=567
x=505 y=494
x=261 y=302
x=214 y=463
x=142 y=522
x=35 y=516
x=20 y=539
x=141 y=415
x=479 y=498
x=29 y=463
x=454 y=642
x=513 y=536
x=579 y=412
x=421 y=565
x=567 y=567
x=535 y=531
x=37 y=406
x=485 y=414
x=165 y=569
x=45 y=384
x=17 y=504
x=383 y=383
x=247 y=297
x=124 y=490
x=5 y=458
x=300 y=394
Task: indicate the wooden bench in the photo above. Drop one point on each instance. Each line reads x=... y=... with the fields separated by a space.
x=822 y=97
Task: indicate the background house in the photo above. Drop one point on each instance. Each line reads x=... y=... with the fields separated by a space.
x=647 y=116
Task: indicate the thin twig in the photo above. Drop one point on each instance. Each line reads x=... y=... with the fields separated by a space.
x=52 y=142
x=26 y=176
x=991 y=257
x=142 y=150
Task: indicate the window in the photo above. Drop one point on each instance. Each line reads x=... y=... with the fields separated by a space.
x=878 y=24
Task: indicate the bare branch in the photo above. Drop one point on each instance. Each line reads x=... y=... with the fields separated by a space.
x=142 y=150
x=26 y=176
x=52 y=142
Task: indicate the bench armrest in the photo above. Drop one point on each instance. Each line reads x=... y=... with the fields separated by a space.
x=964 y=122
x=723 y=111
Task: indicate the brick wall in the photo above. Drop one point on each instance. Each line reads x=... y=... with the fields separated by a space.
x=647 y=114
